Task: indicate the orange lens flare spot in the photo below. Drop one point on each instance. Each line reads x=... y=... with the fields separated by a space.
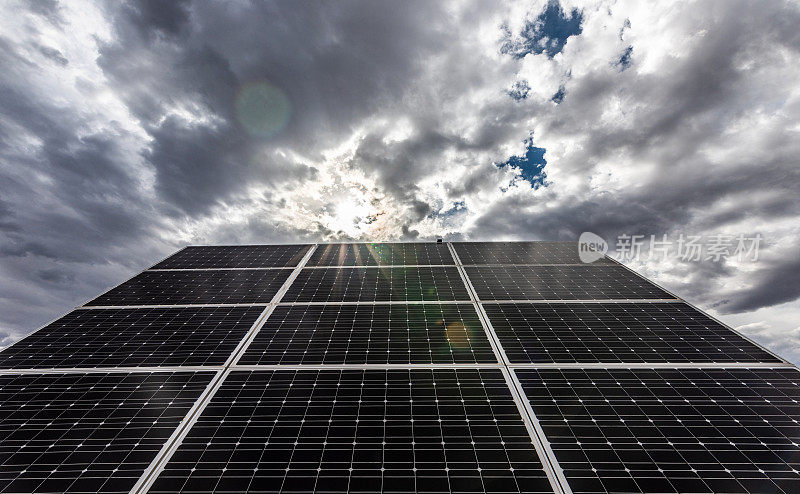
x=457 y=334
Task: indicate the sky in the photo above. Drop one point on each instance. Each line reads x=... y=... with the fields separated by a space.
x=130 y=129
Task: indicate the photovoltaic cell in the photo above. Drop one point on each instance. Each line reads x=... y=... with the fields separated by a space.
x=377 y=284
x=520 y=253
x=238 y=256
x=134 y=337
x=197 y=287
x=88 y=432
x=616 y=332
x=374 y=254
x=560 y=283
x=670 y=430
x=358 y=431
x=375 y=334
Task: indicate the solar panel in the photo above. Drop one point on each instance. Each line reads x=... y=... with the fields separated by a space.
x=616 y=332
x=421 y=430
x=134 y=337
x=670 y=430
x=374 y=254
x=196 y=287
x=587 y=282
x=377 y=284
x=520 y=253
x=238 y=256
x=381 y=334
x=88 y=432
x=373 y=368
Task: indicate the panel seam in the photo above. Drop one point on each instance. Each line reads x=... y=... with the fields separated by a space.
x=158 y=464
x=155 y=467
x=547 y=459
x=498 y=353
x=248 y=339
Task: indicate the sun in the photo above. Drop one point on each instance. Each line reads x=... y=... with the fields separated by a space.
x=349 y=216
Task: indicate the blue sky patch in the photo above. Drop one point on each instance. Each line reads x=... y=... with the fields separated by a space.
x=519 y=91
x=625 y=60
x=531 y=165
x=548 y=33
x=559 y=96
x=458 y=206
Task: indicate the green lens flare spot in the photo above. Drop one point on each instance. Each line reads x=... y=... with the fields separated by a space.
x=263 y=110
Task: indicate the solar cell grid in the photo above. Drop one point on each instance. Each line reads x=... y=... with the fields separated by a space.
x=196 y=287
x=238 y=256
x=377 y=284
x=616 y=332
x=88 y=432
x=358 y=431
x=688 y=430
x=134 y=337
x=587 y=282
x=520 y=253
x=373 y=254
x=357 y=334
x=411 y=429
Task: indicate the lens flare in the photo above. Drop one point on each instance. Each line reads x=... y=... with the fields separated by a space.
x=263 y=109
x=457 y=334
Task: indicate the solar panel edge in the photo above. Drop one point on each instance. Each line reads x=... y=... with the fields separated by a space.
x=85 y=306
x=87 y=302
x=73 y=309
x=98 y=337
x=261 y=268
x=234 y=257
x=195 y=287
x=519 y=322
x=167 y=257
x=349 y=255
x=496 y=253
x=703 y=312
x=65 y=314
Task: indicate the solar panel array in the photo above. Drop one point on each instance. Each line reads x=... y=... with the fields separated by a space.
x=396 y=367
